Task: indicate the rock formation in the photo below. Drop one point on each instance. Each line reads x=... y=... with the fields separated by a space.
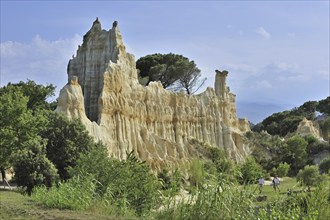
x=307 y=127
x=159 y=125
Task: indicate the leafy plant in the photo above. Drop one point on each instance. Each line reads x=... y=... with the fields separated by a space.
x=172 y=70
x=78 y=193
x=282 y=169
x=324 y=166
x=130 y=181
x=66 y=140
x=309 y=176
x=32 y=167
x=250 y=171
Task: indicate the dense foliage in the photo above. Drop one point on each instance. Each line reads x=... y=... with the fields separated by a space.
x=36 y=142
x=32 y=167
x=324 y=166
x=21 y=145
x=309 y=176
x=285 y=122
x=37 y=94
x=172 y=70
x=127 y=183
x=45 y=148
x=66 y=140
x=250 y=171
x=78 y=193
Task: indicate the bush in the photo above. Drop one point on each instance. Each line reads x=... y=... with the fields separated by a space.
x=309 y=176
x=250 y=171
x=196 y=172
x=78 y=193
x=213 y=202
x=32 y=168
x=324 y=166
x=130 y=182
x=282 y=169
x=66 y=140
x=171 y=182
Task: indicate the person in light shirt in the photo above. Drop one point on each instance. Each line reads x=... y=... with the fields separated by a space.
x=261 y=183
x=276 y=183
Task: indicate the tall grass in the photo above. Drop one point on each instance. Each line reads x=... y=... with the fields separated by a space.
x=213 y=201
x=81 y=193
x=229 y=201
x=78 y=193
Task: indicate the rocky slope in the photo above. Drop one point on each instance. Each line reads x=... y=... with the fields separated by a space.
x=159 y=125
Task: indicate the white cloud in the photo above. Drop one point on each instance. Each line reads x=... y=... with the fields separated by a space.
x=263 y=33
x=40 y=60
x=262 y=84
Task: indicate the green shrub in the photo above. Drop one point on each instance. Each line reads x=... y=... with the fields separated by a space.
x=250 y=171
x=78 y=193
x=311 y=205
x=66 y=140
x=282 y=169
x=309 y=176
x=32 y=168
x=324 y=166
x=130 y=181
x=196 y=172
x=171 y=182
x=212 y=202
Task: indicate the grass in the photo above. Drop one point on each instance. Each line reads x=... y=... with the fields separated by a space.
x=236 y=203
x=14 y=205
x=272 y=196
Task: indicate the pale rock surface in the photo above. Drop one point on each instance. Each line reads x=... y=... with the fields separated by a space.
x=307 y=128
x=159 y=125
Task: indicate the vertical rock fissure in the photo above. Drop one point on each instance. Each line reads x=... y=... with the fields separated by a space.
x=93 y=56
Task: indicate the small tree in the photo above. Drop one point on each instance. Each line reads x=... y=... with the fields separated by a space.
x=295 y=153
x=174 y=71
x=283 y=169
x=309 y=176
x=31 y=166
x=196 y=172
x=250 y=171
x=130 y=182
x=66 y=140
x=324 y=166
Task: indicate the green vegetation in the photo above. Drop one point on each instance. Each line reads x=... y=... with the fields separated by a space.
x=14 y=205
x=78 y=193
x=38 y=144
x=282 y=169
x=250 y=171
x=172 y=70
x=66 y=140
x=62 y=170
x=231 y=200
x=283 y=123
x=310 y=176
x=324 y=166
x=127 y=185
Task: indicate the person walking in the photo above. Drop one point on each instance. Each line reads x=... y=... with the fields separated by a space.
x=261 y=184
x=276 y=183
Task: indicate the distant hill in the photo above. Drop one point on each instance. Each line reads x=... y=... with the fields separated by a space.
x=282 y=123
x=257 y=111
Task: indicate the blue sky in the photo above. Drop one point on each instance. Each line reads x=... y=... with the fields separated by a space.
x=276 y=52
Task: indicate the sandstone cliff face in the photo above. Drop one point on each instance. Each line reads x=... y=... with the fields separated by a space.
x=159 y=125
x=307 y=127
